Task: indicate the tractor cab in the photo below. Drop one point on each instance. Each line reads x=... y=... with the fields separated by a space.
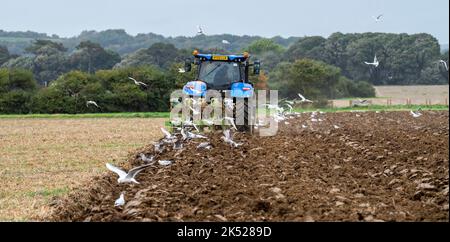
x=221 y=72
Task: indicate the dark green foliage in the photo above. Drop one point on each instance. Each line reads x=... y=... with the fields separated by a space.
x=47 y=62
x=4 y=55
x=159 y=54
x=16 y=90
x=110 y=89
x=404 y=59
x=90 y=57
x=121 y=42
x=315 y=80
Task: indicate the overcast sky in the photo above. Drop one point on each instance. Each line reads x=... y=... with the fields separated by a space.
x=265 y=18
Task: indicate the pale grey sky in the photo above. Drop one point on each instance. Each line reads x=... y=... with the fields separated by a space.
x=252 y=17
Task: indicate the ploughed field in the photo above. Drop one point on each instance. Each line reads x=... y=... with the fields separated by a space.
x=354 y=166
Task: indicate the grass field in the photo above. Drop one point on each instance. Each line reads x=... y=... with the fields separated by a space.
x=89 y=115
x=43 y=158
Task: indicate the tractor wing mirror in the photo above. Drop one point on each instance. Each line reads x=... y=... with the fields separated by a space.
x=256 y=67
x=187 y=65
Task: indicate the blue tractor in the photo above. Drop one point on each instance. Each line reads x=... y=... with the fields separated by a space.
x=229 y=75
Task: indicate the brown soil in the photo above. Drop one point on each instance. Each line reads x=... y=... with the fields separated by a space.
x=376 y=166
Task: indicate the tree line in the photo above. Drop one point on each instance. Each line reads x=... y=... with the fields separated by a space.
x=49 y=78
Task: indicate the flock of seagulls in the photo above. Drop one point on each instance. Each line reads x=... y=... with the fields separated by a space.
x=376 y=62
x=168 y=138
x=280 y=114
x=200 y=31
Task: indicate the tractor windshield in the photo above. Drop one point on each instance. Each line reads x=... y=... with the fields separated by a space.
x=220 y=74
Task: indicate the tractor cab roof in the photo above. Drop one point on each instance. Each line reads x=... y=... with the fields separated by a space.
x=214 y=57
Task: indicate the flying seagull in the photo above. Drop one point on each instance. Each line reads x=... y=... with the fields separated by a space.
x=181 y=70
x=303 y=99
x=226 y=42
x=227 y=138
x=166 y=133
x=289 y=102
x=415 y=114
x=91 y=103
x=120 y=201
x=137 y=82
x=230 y=119
x=127 y=177
x=378 y=18
x=443 y=62
x=189 y=135
x=374 y=63
x=290 y=107
x=200 y=30
x=190 y=123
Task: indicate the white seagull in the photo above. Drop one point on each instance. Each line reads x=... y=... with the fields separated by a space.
x=374 y=63
x=290 y=107
x=181 y=70
x=91 y=103
x=165 y=162
x=227 y=138
x=443 y=62
x=226 y=42
x=204 y=145
x=303 y=99
x=146 y=159
x=415 y=114
x=158 y=147
x=120 y=201
x=289 y=102
x=231 y=120
x=166 y=133
x=190 y=123
x=189 y=135
x=137 y=82
x=200 y=30
x=378 y=18
x=127 y=177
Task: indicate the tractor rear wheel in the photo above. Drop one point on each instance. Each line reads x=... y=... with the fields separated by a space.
x=242 y=107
